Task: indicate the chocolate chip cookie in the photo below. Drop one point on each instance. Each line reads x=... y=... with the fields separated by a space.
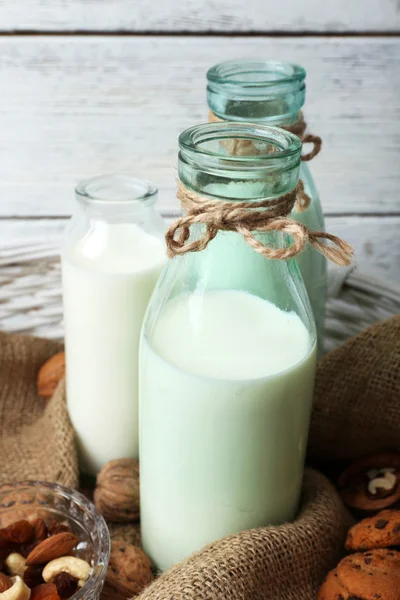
x=372 y=575
x=380 y=531
x=332 y=588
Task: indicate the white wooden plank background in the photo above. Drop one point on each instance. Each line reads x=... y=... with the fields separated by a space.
x=96 y=86
x=74 y=107
x=200 y=15
x=376 y=239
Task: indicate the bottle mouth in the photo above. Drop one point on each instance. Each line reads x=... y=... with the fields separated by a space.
x=268 y=92
x=118 y=189
x=256 y=74
x=267 y=147
x=255 y=77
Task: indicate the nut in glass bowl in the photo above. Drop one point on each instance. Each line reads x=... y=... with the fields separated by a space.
x=71 y=520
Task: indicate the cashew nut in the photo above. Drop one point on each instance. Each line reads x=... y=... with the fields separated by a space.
x=18 y=591
x=387 y=482
x=76 y=567
x=15 y=564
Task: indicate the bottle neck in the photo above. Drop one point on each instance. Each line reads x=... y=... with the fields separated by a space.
x=110 y=213
x=116 y=199
x=288 y=121
x=208 y=167
x=269 y=92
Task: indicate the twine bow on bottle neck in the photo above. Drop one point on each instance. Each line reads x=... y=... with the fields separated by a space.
x=248 y=218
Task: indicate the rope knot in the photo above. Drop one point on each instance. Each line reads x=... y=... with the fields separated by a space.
x=250 y=219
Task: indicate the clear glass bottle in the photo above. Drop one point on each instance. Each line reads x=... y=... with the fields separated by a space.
x=273 y=93
x=112 y=254
x=227 y=362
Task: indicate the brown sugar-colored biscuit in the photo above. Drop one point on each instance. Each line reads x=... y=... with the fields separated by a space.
x=332 y=589
x=372 y=575
x=380 y=531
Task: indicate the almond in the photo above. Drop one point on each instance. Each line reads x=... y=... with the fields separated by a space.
x=5 y=583
x=50 y=374
x=45 y=591
x=51 y=548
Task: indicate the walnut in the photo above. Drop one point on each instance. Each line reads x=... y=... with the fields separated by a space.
x=372 y=483
x=126 y=532
x=129 y=572
x=117 y=492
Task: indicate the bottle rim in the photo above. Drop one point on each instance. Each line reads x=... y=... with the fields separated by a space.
x=285 y=145
x=117 y=189
x=253 y=75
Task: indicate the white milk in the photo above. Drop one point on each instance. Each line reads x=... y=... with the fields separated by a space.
x=225 y=398
x=108 y=278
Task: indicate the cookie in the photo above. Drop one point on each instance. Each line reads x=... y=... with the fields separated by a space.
x=380 y=531
x=373 y=575
x=372 y=483
x=332 y=589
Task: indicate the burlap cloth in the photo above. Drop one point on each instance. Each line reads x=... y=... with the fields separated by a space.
x=36 y=439
x=357 y=396
x=356 y=410
x=271 y=563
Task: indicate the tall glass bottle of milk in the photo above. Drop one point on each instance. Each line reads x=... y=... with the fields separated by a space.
x=112 y=255
x=272 y=93
x=227 y=360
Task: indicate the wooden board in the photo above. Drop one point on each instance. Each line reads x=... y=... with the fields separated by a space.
x=74 y=107
x=200 y=15
x=376 y=239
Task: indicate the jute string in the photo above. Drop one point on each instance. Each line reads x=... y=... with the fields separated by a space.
x=246 y=218
x=239 y=147
x=298 y=128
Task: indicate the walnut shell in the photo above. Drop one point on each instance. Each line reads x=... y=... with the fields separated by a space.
x=50 y=374
x=117 y=491
x=126 y=532
x=353 y=483
x=129 y=572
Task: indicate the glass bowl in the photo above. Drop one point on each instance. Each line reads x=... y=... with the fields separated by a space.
x=51 y=501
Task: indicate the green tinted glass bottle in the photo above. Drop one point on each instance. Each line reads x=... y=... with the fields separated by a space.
x=273 y=93
x=227 y=361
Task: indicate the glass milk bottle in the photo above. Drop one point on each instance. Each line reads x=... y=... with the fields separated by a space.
x=112 y=255
x=272 y=93
x=228 y=356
